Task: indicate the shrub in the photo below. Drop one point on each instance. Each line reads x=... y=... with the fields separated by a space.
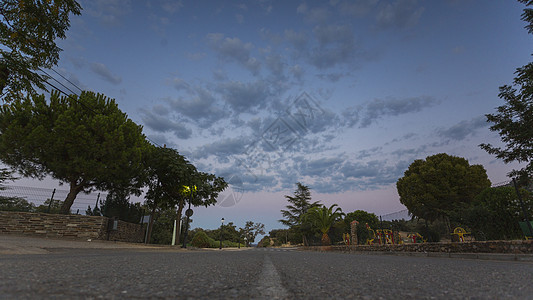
x=201 y=240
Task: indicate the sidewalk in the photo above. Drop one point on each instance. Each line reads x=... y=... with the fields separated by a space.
x=16 y=244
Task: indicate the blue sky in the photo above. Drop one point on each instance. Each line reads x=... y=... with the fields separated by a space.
x=339 y=95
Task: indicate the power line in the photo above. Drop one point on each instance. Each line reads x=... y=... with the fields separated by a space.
x=50 y=76
x=67 y=80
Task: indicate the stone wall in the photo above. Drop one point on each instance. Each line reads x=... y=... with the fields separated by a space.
x=67 y=226
x=509 y=247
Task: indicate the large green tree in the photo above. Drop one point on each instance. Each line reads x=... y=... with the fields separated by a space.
x=86 y=142
x=300 y=203
x=514 y=119
x=440 y=184
x=28 y=30
x=174 y=182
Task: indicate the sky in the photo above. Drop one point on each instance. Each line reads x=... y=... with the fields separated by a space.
x=340 y=95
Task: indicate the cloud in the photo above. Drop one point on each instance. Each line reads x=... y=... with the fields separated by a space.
x=379 y=108
x=245 y=97
x=222 y=148
x=201 y=107
x=233 y=49
x=162 y=124
x=336 y=45
x=171 y=6
x=399 y=14
x=108 y=12
x=463 y=129
x=356 y=8
x=314 y=15
x=179 y=84
x=102 y=71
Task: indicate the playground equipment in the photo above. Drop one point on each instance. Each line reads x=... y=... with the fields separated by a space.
x=460 y=233
x=346 y=238
x=382 y=236
x=525 y=229
x=416 y=237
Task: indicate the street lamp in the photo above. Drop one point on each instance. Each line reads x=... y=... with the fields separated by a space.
x=221 y=233
x=245 y=242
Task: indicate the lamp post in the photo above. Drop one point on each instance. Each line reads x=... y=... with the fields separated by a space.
x=245 y=242
x=221 y=234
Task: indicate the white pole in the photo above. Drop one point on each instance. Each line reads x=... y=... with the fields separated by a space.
x=174 y=234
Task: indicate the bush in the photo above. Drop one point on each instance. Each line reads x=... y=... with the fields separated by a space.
x=201 y=240
x=265 y=242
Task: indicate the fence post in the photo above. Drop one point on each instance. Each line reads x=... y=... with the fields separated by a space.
x=51 y=200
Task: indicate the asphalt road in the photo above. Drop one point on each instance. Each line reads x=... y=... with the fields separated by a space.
x=255 y=274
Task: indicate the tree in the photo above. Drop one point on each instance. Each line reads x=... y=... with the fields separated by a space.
x=434 y=187
x=323 y=218
x=28 y=29
x=173 y=182
x=363 y=218
x=514 y=120
x=251 y=230
x=300 y=203
x=496 y=213
x=86 y=142
x=117 y=204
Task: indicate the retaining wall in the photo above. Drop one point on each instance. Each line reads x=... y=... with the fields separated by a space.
x=67 y=226
x=509 y=247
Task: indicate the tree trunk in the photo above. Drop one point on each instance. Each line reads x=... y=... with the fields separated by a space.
x=178 y=221
x=74 y=191
x=150 y=226
x=326 y=241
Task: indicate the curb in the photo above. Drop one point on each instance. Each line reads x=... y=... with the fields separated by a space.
x=480 y=256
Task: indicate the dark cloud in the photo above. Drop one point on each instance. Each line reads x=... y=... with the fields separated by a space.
x=233 y=49
x=399 y=14
x=102 y=71
x=245 y=97
x=200 y=107
x=463 y=129
x=162 y=124
x=223 y=148
x=336 y=45
x=379 y=108
x=332 y=77
x=323 y=167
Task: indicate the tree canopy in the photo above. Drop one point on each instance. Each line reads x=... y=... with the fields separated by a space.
x=28 y=29
x=86 y=142
x=514 y=119
x=434 y=187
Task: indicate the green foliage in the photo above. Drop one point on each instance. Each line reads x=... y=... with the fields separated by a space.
x=265 y=242
x=363 y=218
x=496 y=214
x=201 y=240
x=16 y=204
x=89 y=143
x=514 y=120
x=322 y=218
x=286 y=236
x=251 y=230
x=163 y=227
x=28 y=29
x=117 y=204
x=55 y=208
x=300 y=203
x=439 y=185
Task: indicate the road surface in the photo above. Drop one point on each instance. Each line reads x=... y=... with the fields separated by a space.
x=255 y=274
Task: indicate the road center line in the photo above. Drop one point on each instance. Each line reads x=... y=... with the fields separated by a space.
x=270 y=286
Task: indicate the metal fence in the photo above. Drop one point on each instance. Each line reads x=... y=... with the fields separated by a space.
x=399 y=215
x=38 y=196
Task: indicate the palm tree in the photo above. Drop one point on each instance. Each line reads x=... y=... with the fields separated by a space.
x=323 y=218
